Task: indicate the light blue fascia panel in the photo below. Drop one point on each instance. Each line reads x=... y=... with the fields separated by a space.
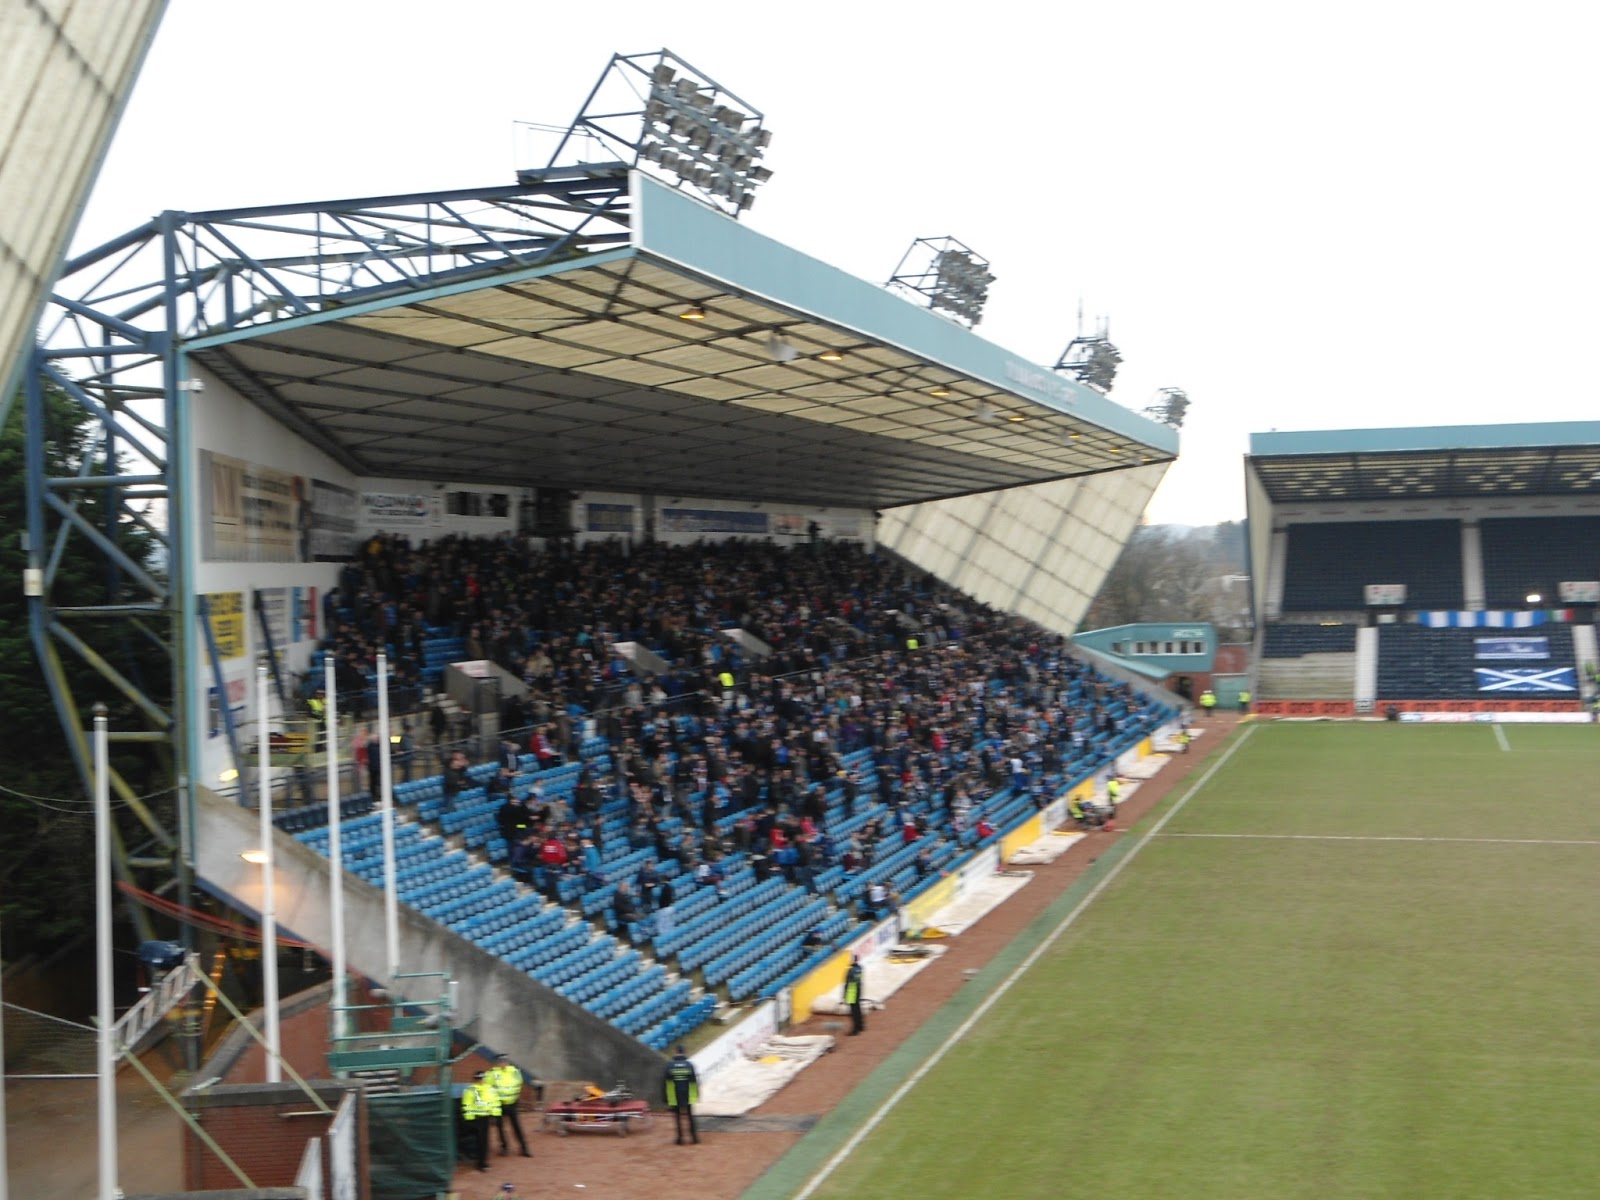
x=678 y=229
x=1425 y=437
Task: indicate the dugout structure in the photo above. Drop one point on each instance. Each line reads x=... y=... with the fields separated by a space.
x=1442 y=571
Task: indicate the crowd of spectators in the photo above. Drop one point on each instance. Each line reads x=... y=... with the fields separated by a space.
x=553 y=619
x=731 y=756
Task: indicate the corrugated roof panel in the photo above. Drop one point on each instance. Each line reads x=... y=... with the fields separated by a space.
x=65 y=73
x=645 y=374
x=542 y=351
x=430 y=330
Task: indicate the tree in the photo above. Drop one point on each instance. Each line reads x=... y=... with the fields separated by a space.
x=46 y=891
x=1170 y=573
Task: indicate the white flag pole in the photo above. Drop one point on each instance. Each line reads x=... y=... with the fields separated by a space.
x=269 y=907
x=105 y=1015
x=385 y=798
x=335 y=846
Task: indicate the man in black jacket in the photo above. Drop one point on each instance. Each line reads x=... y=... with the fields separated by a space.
x=512 y=818
x=454 y=778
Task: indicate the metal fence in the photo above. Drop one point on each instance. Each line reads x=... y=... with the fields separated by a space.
x=39 y=1046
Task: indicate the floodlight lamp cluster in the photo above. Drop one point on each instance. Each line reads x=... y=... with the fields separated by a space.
x=1170 y=407
x=708 y=144
x=961 y=284
x=1091 y=360
x=952 y=278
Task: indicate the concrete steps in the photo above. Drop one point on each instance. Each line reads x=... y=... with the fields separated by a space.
x=1309 y=677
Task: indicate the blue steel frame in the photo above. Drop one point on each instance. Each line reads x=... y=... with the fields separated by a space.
x=113 y=341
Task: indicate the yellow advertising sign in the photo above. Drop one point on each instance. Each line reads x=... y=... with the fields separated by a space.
x=918 y=913
x=225 y=611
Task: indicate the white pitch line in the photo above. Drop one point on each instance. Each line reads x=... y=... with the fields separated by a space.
x=1500 y=736
x=1377 y=837
x=933 y=1060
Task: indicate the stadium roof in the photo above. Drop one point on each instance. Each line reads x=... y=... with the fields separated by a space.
x=1437 y=462
x=800 y=383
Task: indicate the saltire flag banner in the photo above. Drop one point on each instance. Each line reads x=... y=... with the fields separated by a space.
x=1526 y=679
x=1511 y=647
x=1492 y=618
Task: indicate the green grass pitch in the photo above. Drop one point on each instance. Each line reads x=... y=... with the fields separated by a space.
x=1359 y=961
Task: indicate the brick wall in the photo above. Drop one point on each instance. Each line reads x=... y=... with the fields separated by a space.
x=264 y=1128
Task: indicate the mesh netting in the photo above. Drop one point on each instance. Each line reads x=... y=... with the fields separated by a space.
x=412 y=1144
x=39 y=1044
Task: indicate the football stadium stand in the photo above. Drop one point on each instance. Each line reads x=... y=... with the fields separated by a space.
x=1426 y=571
x=902 y=757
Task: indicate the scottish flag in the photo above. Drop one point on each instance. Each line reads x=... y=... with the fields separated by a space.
x=1526 y=679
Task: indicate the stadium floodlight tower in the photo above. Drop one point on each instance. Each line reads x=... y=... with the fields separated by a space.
x=952 y=277
x=657 y=111
x=1091 y=358
x=1170 y=406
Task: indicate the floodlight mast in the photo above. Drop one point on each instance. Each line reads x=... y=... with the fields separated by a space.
x=1170 y=406
x=1091 y=359
x=658 y=112
x=952 y=277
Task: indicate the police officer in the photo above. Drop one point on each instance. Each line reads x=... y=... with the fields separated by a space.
x=852 y=996
x=681 y=1090
x=479 y=1106
x=1244 y=701
x=507 y=1083
x=1208 y=701
x=1113 y=792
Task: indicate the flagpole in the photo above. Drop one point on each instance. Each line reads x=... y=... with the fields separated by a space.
x=269 y=906
x=385 y=798
x=335 y=845
x=105 y=1015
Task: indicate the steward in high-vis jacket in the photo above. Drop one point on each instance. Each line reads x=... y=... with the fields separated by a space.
x=507 y=1083
x=853 y=997
x=681 y=1090
x=480 y=1105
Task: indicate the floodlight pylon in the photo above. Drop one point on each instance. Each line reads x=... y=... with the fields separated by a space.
x=1170 y=406
x=952 y=277
x=1091 y=359
x=656 y=110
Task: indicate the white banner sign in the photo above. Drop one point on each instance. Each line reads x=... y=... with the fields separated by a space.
x=395 y=510
x=1579 y=591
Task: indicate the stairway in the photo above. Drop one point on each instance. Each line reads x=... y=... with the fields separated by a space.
x=1309 y=677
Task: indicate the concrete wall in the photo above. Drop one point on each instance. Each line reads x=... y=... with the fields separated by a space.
x=501 y=1006
x=1040 y=550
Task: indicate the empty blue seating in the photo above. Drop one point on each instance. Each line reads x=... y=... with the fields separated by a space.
x=1526 y=555
x=1296 y=639
x=1418 y=663
x=1423 y=555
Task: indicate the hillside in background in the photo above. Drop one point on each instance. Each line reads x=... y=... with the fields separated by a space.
x=1178 y=573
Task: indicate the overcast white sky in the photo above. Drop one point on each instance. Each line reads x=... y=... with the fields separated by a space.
x=1308 y=216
